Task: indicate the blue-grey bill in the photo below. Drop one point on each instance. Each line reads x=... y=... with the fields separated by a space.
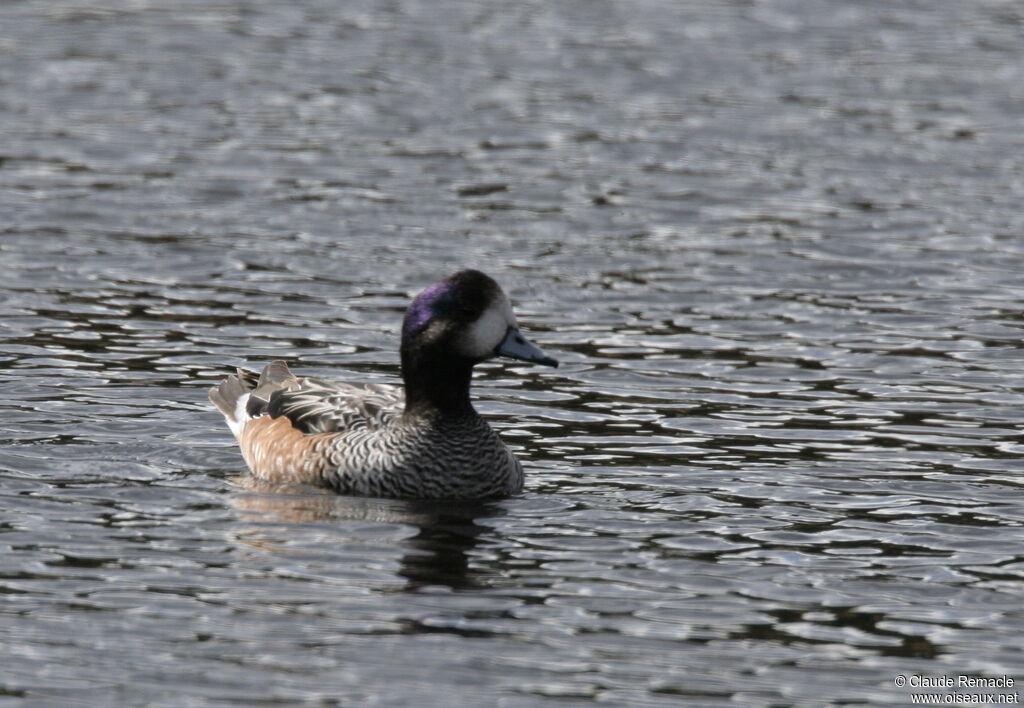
x=517 y=346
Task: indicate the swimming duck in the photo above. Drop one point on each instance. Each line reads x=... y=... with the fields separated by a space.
x=424 y=442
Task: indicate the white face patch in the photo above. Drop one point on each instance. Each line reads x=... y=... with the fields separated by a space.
x=484 y=335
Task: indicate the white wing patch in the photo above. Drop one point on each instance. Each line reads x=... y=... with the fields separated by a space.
x=240 y=418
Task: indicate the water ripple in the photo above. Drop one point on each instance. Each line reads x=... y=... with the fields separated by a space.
x=775 y=246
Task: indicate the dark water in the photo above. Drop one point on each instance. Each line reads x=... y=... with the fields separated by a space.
x=776 y=244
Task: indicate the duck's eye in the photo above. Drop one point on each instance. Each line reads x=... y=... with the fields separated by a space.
x=468 y=312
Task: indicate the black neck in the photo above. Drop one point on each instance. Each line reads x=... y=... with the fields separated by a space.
x=436 y=384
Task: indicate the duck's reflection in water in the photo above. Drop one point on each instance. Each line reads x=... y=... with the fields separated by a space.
x=438 y=554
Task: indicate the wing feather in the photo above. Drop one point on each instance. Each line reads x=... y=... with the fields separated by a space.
x=319 y=406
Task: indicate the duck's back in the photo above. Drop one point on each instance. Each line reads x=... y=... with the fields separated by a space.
x=358 y=440
x=319 y=406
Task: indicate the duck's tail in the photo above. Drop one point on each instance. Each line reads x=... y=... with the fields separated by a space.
x=245 y=395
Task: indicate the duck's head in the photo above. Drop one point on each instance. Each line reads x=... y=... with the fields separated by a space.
x=467 y=316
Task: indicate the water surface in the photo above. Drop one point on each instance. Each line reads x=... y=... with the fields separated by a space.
x=776 y=245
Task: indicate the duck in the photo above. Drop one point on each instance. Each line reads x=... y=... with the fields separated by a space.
x=423 y=440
